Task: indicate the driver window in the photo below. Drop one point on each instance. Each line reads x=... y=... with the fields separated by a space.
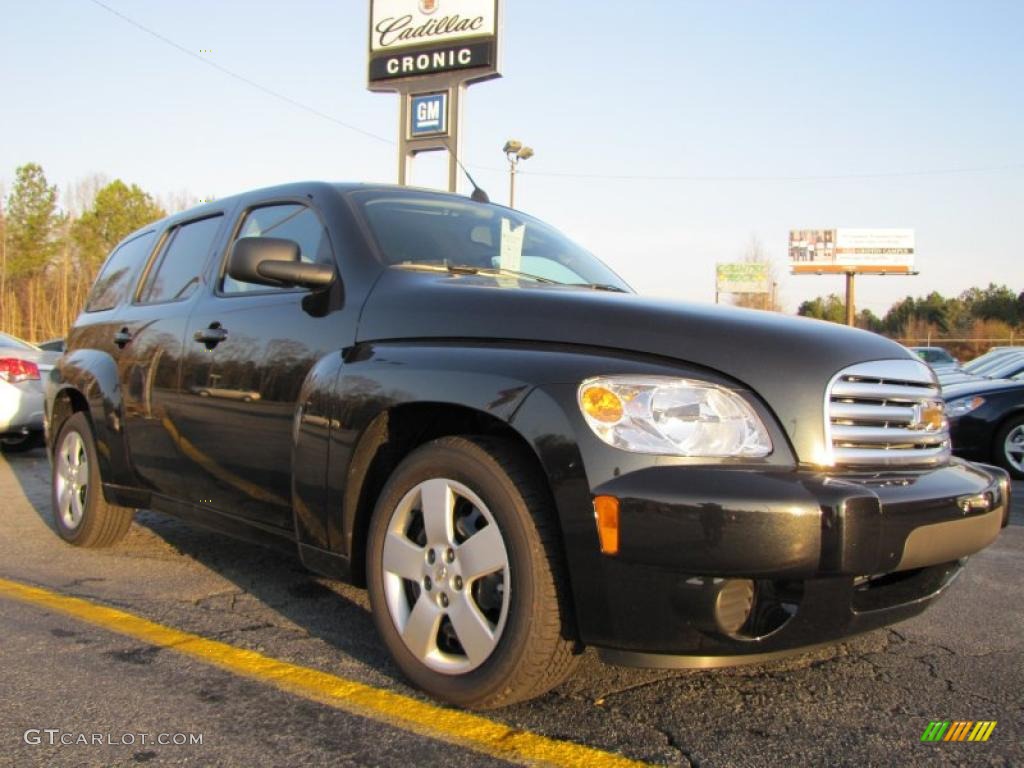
x=290 y=221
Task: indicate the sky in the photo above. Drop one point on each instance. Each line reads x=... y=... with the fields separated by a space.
x=668 y=134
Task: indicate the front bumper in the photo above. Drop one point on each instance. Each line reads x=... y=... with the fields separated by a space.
x=826 y=556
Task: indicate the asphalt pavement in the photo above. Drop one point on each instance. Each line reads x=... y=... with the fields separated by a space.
x=863 y=702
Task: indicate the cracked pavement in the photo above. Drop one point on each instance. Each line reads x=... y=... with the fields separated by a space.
x=864 y=702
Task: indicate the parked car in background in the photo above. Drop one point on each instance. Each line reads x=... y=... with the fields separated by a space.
x=1008 y=365
x=22 y=368
x=986 y=422
x=990 y=358
x=938 y=358
x=52 y=345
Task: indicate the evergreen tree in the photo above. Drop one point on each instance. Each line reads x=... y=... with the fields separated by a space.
x=31 y=224
x=117 y=211
x=830 y=308
x=997 y=302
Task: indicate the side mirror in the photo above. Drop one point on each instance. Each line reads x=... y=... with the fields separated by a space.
x=275 y=261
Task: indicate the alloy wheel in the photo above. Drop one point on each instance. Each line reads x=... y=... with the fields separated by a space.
x=1013 y=447
x=446 y=576
x=72 y=479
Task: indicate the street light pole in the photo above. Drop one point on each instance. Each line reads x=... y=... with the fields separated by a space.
x=512 y=183
x=514 y=152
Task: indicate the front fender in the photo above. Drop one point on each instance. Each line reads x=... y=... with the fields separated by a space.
x=368 y=384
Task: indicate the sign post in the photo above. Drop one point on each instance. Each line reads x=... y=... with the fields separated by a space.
x=851 y=252
x=429 y=52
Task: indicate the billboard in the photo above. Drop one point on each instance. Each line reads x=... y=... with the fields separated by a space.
x=415 y=38
x=851 y=250
x=742 y=277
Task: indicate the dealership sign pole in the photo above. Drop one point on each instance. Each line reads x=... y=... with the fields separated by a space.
x=851 y=252
x=428 y=52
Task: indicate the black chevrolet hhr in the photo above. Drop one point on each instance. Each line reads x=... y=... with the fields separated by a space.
x=452 y=404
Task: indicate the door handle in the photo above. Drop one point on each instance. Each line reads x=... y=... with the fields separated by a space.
x=122 y=337
x=211 y=336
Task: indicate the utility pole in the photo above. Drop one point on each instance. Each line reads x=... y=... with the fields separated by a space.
x=851 y=312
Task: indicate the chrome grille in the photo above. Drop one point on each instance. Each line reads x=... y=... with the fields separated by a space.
x=886 y=413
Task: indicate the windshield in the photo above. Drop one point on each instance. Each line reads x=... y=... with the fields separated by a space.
x=988 y=360
x=417 y=229
x=933 y=355
x=1013 y=365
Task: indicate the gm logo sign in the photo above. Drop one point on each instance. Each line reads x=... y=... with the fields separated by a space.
x=428 y=115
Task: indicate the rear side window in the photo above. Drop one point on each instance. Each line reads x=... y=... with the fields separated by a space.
x=290 y=221
x=176 y=273
x=115 y=279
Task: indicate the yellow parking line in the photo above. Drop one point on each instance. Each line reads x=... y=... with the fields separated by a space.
x=461 y=728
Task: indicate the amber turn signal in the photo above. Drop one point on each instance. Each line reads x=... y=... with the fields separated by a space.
x=606 y=513
x=601 y=404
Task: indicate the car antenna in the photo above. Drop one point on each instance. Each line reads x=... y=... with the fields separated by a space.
x=478 y=194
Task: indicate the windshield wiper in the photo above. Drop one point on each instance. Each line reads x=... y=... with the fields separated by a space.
x=469 y=269
x=465 y=269
x=601 y=287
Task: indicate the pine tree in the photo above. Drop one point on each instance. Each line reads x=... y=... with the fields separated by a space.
x=31 y=224
x=117 y=211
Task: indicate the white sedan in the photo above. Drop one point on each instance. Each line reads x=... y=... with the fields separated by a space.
x=22 y=368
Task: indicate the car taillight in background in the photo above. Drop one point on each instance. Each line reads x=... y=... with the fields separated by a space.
x=14 y=370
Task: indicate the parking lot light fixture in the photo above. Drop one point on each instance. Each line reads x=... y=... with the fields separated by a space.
x=514 y=151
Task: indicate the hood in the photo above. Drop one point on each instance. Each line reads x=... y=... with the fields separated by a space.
x=979 y=385
x=787 y=361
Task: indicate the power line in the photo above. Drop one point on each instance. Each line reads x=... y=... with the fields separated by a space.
x=562 y=174
x=827 y=177
x=241 y=78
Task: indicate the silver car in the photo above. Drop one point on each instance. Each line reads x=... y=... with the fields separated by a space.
x=23 y=367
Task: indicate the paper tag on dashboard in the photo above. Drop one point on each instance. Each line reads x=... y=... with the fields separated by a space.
x=511 y=246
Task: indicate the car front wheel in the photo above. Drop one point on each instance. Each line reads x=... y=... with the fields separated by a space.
x=465 y=574
x=82 y=516
x=1009 y=447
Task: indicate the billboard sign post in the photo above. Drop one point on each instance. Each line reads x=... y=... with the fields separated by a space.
x=851 y=252
x=428 y=52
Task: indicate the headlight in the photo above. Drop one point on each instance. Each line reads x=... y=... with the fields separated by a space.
x=963 y=405
x=675 y=417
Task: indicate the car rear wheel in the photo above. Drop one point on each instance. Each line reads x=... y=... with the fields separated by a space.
x=1009 y=447
x=83 y=517
x=465 y=574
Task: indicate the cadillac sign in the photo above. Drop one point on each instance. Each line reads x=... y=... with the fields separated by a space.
x=414 y=38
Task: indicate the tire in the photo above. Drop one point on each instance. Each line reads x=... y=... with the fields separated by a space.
x=503 y=633
x=81 y=514
x=1008 y=447
x=21 y=443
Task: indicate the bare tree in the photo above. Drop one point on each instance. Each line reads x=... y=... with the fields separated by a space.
x=175 y=202
x=79 y=197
